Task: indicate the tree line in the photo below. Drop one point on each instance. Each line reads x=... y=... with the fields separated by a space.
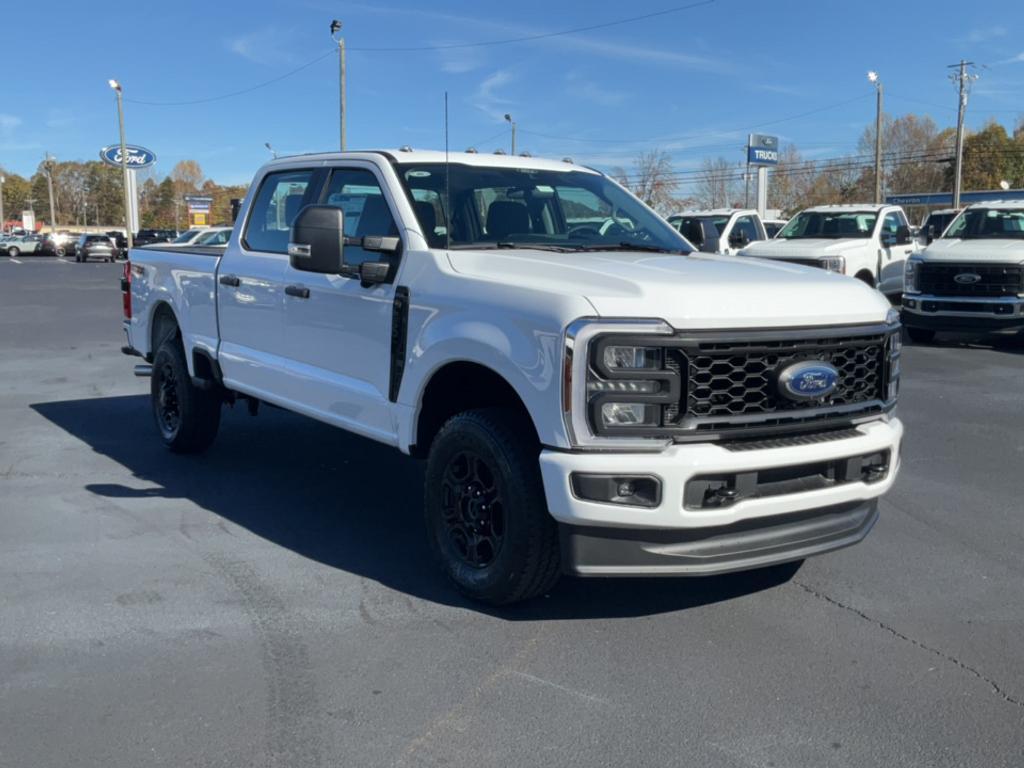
x=91 y=193
x=917 y=156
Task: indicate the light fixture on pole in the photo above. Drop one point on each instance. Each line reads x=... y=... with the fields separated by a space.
x=124 y=163
x=273 y=152
x=874 y=78
x=335 y=29
x=508 y=119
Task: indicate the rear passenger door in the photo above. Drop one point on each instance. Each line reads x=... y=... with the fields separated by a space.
x=337 y=331
x=250 y=289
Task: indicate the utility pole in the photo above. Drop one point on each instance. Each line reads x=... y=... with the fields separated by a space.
x=177 y=207
x=874 y=78
x=48 y=165
x=124 y=165
x=335 y=28
x=3 y=220
x=508 y=119
x=963 y=82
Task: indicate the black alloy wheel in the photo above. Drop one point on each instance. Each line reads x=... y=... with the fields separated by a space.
x=473 y=509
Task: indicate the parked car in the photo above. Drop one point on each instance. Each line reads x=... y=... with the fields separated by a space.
x=150 y=236
x=972 y=277
x=95 y=247
x=772 y=227
x=59 y=244
x=869 y=242
x=23 y=244
x=935 y=223
x=120 y=241
x=733 y=229
x=214 y=236
x=591 y=397
x=188 y=237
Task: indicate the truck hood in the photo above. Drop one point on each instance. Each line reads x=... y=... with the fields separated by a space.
x=813 y=248
x=995 y=251
x=692 y=292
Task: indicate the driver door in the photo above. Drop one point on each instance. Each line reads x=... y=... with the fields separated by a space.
x=896 y=246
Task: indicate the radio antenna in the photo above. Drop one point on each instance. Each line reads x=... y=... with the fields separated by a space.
x=447 y=186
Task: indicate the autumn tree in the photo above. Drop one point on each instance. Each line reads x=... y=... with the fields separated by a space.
x=651 y=179
x=718 y=183
x=187 y=177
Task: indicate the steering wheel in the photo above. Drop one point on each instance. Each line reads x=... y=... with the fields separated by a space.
x=585 y=232
x=612 y=228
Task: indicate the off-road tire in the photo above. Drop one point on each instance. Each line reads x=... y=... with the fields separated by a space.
x=187 y=418
x=525 y=562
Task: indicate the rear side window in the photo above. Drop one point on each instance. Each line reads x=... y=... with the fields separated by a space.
x=280 y=198
x=358 y=193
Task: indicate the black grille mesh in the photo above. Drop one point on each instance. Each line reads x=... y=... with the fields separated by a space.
x=996 y=279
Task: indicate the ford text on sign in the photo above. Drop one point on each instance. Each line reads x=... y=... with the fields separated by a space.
x=138 y=157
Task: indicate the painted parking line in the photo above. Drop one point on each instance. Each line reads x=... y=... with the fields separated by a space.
x=62 y=260
x=13 y=260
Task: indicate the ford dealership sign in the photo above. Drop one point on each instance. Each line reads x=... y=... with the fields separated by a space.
x=138 y=157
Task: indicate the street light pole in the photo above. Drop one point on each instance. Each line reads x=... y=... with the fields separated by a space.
x=3 y=220
x=508 y=118
x=335 y=28
x=874 y=78
x=124 y=164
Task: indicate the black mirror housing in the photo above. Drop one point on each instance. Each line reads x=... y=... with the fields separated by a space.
x=374 y=272
x=317 y=240
x=709 y=237
x=902 y=235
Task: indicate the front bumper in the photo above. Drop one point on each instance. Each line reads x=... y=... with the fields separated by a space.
x=671 y=537
x=963 y=313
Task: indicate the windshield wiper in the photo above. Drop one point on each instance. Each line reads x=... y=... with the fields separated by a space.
x=502 y=245
x=625 y=246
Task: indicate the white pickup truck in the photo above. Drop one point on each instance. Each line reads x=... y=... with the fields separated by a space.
x=971 y=278
x=592 y=399
x=869 y=242
x=720 y=230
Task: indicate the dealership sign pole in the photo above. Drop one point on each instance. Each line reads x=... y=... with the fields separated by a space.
x=763 y=152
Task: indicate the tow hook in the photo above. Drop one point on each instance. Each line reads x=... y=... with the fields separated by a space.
x=144 y=370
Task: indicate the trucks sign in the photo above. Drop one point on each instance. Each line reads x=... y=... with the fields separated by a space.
x=138 y=157
x=762 y=150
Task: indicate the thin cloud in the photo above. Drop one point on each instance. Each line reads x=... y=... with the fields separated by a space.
x=8 y=123
x=262 y=46
x=986 y=33
x=487 y=100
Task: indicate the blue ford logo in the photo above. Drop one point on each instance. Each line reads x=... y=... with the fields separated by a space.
x=138 y=157
x=809 y=380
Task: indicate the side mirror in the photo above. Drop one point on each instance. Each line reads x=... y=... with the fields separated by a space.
x=903 y=235
x=930 y=235
x=317 y=240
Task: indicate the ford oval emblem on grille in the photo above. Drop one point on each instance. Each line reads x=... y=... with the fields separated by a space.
x=808 y=380
x=967 y=278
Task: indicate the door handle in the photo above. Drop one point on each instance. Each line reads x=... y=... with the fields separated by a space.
x=297 y=291
x=231 y=280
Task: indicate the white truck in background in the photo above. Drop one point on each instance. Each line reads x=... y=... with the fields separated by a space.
x=971 y=278
x=591 y=397
x=869 y=242
x=720 y=230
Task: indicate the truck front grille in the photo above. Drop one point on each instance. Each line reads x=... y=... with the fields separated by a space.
x=975 y=279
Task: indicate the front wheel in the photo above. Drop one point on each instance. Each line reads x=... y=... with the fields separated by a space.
x=13 y=251
x=921 y=335
x=187 y=417
x=487 y=520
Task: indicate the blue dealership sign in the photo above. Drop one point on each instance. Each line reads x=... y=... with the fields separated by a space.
x=762 y=150
x=138 y=157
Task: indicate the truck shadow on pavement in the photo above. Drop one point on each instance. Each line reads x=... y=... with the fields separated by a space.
x=343 y=501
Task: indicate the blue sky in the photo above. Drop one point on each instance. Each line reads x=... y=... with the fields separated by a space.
x=692 y=82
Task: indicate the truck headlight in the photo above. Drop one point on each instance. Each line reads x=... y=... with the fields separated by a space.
x=834 y=264
x=910 y=272
x=617 y=383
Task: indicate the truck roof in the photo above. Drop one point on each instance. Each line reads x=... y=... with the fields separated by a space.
x=717 y=212
x=839 y=208
x=1010 y=205
x=409 y=156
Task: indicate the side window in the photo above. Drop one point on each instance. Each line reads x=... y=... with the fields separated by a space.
x=891 y=223
x=358 y=194
x=280 y=198
x=746 y=225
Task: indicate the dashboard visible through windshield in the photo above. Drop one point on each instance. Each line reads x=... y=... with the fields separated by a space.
x=528 y=208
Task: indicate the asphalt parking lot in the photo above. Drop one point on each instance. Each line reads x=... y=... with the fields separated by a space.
x=272 y=602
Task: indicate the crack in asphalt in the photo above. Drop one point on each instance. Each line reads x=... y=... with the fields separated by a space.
x=996 y=688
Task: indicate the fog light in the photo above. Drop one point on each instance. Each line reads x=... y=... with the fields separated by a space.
x=628 y=490
x=910 y=303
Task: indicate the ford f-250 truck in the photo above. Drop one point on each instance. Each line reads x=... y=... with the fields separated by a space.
x=971 y=278
x=593 y=399
x=720 y=230
x=869 y=242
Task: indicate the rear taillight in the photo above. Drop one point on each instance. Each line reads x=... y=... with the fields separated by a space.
x=126 y=290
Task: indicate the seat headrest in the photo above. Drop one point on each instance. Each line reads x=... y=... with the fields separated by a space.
x=505 y=217
x=428 y=217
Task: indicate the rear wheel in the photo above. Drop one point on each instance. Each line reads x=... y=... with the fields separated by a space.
x=187 y=417
x=13 y=251
x=921 y=335
x=487 y=521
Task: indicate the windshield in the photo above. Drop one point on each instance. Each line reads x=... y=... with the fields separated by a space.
x=981 y=223
x=830 y=225
x=525 y=208
x=690 y=226
x=187 y=236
